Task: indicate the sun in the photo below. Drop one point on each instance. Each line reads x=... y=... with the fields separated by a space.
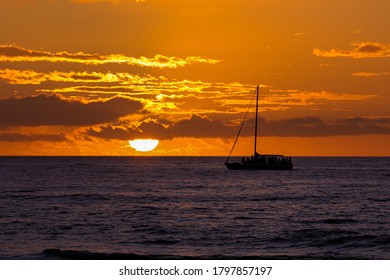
x=143 y=145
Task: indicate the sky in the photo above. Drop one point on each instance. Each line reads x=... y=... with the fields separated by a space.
x=83 y=77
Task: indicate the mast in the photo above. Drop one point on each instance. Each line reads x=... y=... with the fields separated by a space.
x=257 y=107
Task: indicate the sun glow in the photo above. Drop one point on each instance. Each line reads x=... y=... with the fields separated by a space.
x=143 y=145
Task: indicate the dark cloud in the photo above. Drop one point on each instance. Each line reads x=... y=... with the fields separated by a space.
x=362 y=120
x=56 y=110
x=195 y=126
x=315 y=127
x=201 y=127
x=11 y=51
x=17 y=51
x=370 y=48
x=19 y=137
x=109 y=132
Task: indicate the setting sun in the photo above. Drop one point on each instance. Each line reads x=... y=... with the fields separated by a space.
x=143 y=145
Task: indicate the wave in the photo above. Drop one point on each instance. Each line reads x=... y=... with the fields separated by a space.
x=339 y=221
x=359 y=241
x=385 y=199
x=243 y=218
x=161 y=242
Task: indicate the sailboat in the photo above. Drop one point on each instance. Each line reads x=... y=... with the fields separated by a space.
x=259 y=161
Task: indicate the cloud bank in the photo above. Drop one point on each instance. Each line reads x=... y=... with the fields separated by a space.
x=360 y=50
x=198 y=126
x=14 y=53
x=370 y=74
x=54 y=109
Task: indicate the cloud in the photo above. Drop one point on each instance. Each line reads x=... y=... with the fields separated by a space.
x=195 y=126
x=360 y=50
x=164 y=96
x=366 y=120
x=22 y=77
x=202 y=127
x=20 y=137
x=315 y=127
x=301 y=34
x=55 y=109
x=14 y=53
x=370 y=74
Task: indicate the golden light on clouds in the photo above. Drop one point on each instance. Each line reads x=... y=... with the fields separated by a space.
x=370 y=74
x=360 y=50
x=13 y=53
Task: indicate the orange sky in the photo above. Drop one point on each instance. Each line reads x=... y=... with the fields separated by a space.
x=82 y=77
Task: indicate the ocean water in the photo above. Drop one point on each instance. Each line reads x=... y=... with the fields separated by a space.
x=193 y=207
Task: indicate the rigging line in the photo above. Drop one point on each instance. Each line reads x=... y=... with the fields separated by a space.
x=242 y=124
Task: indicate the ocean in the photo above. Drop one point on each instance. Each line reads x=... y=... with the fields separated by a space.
x=193 y=208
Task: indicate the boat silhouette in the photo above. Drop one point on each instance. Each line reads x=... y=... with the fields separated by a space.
x=258 y=161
